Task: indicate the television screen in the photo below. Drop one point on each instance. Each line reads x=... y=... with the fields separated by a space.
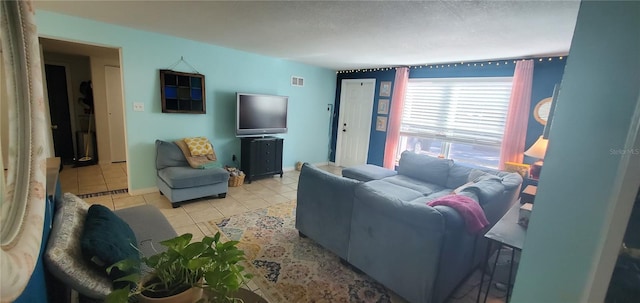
x=261 y=114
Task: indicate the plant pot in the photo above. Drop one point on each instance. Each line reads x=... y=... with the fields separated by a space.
x=190 y=295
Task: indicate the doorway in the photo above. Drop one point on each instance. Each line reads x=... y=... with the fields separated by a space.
x=354 y=123
x=58 y=94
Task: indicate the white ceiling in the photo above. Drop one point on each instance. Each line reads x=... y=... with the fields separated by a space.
x=352 y=34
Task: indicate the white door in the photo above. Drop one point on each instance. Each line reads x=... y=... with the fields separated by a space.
x=354 y=123
x=115 y=106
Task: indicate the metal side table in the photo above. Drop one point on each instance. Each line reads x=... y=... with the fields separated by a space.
x=506 y=232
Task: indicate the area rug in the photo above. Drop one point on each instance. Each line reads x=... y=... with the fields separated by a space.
x=288 y=268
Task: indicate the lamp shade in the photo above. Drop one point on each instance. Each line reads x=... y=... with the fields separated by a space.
x=538 y=149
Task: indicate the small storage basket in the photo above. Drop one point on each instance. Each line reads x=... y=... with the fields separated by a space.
x=235 y=181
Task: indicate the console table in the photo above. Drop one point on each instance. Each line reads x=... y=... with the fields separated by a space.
x=261 y=157
x=506 y=233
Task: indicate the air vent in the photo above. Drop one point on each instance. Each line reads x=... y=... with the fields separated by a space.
x=297 y=81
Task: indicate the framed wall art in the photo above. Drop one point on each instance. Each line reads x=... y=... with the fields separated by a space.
x=385 y=89
x=383 y=106
x=381 y=124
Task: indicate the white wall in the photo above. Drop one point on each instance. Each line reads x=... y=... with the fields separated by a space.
x=592 y=169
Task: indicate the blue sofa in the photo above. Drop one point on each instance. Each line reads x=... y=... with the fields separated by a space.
x=385 y=228
x=180 y=182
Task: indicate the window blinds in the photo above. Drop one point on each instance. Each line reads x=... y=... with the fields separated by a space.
x=466 y=110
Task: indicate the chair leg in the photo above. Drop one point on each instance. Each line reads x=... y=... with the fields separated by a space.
x=222 y=195
x=175 y=205
x=301 y=234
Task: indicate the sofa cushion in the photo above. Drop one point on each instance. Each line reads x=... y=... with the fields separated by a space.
x=63 y=256
x=458 y=175
x=168 y=154
x=399 y=192
x=107 y=239
x=422 y=187
x=187 y=177
x=425 y=168
x=150 y=227
x=367 y=172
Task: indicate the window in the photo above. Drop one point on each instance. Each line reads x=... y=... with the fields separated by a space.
x=457 y=118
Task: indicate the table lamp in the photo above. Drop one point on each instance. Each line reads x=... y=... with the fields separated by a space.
x=537 y=150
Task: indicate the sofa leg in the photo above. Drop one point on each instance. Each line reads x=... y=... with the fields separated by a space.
x=301 y=235
x=175 y=205
x=222 y=195
x=162 y=194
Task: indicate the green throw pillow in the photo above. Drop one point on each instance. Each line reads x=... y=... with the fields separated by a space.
x=107 y=239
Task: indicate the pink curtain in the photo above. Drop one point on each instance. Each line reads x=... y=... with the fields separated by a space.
x=395 y=117
x=515 y=131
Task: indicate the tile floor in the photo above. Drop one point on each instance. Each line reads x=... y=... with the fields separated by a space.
x=191 y=216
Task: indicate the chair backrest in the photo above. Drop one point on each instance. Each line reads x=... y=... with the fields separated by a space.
x=168 y=154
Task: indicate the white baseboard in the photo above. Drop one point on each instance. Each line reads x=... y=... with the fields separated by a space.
x=142 y=191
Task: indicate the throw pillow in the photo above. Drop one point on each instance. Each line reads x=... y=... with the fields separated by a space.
x=63 y=256
x=107 y=239
x=199 y=146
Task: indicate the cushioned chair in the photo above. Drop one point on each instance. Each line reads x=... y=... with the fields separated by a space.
x=180 y=182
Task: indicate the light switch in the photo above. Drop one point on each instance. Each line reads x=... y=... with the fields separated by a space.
x=138 y=107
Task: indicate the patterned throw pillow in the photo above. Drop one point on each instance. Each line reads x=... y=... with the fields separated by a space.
x=63 y=256
x=199 y=146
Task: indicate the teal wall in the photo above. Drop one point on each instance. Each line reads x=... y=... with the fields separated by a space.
x=226 y=71
x=592 y=168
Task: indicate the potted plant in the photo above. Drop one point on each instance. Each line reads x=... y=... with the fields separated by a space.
x=185 y=269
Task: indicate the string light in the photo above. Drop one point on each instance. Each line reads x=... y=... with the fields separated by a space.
x=420 y=66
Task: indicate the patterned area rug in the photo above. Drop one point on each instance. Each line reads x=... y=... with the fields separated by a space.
x=294 y=269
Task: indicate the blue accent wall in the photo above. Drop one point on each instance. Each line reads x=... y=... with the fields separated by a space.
x=226 y=72
x=376 y=138
x=546 y=74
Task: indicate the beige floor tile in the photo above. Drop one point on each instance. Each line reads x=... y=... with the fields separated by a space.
x=103 y=200
x=92 y=189
x=124 y=202
x=290 y=195
x=206 y=215
x=237 y=190
x=196 y=206
x=282 y=189
x=244 y=196
x=263 y=191
x=114 y=186
x=254 y=186
x=275 y=199
x=229 y=207
x=254 y=203
x=207 y=229
x=90 y=181
x=190 y=229
x=180 y=220
x=288 y=180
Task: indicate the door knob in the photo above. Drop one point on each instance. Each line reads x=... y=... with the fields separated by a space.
x=54 y=127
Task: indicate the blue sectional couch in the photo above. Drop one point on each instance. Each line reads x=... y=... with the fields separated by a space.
x=385 y=228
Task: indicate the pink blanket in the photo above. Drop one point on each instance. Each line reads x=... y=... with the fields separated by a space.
x=468 y=208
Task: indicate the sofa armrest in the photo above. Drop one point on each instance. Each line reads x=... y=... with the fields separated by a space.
x=324 y=206
x=398 y=243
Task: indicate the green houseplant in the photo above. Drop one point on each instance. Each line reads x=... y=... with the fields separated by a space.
x=209 y=264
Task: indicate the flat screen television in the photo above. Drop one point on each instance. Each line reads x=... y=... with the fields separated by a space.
x=260 y=115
